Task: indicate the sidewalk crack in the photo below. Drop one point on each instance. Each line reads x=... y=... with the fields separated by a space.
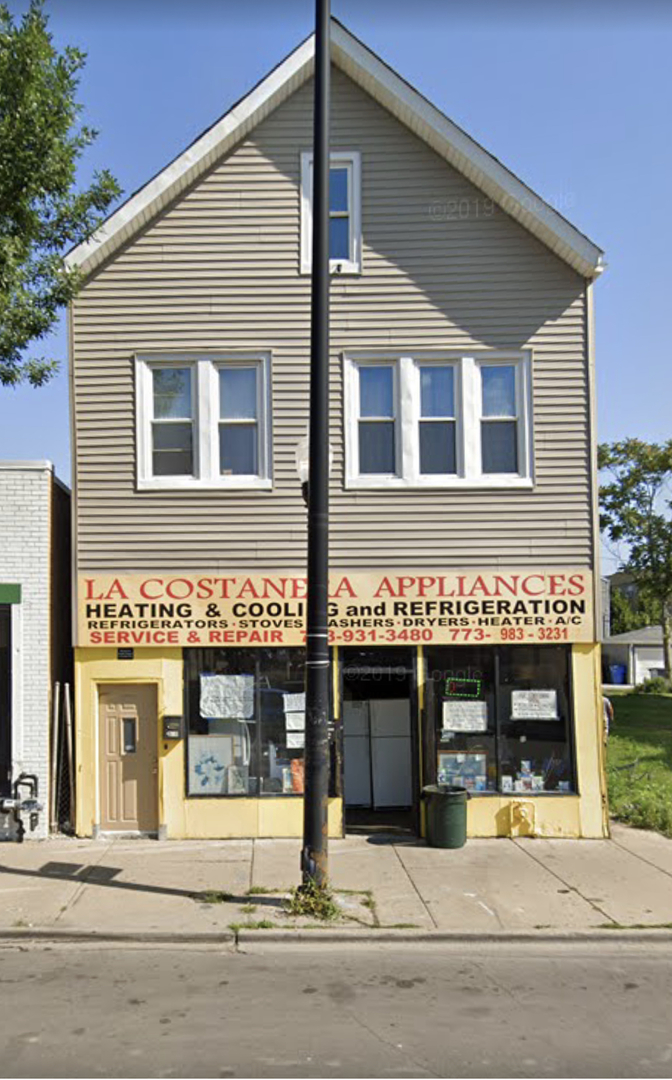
x=415 y=887
x=254 y=848
x=398 y=1049
x=572 y=888
x=636 y=855
x=82 y=881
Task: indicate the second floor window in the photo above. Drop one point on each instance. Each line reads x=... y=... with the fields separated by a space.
x=432 y=420
x=345 y=230
x=203 y=421
x=172 y=421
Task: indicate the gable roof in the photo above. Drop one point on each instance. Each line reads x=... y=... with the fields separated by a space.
x=383 y=84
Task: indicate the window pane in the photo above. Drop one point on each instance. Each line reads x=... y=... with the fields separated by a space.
x=129 y=735
x=460 y=698
x=499 y=390
x=172 y=450
x=339 y=238
x=376 y=391
x=238 y=449
x=238 y=393
x=499 y=446
x=437 y=448
x=338 y=189
x=172 y=393
x=376 y=447
x=437 y=396
x=258 y=747
x=535 y=753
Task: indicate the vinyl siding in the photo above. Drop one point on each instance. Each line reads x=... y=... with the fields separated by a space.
x=219 y=270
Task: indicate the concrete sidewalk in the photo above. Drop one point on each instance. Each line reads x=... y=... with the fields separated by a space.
x=136 y=889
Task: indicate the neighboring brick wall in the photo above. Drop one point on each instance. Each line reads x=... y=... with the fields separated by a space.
x=26 y=559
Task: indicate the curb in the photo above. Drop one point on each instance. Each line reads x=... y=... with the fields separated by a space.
x=333 y=936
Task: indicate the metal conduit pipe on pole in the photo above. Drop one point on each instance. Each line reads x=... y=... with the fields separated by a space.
x=314 y=854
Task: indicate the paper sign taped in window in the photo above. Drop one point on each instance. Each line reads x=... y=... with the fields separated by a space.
x=295 y=721
x=227 y=697
x=295 y=740
x=534 y=705
x=294 y=702
x=465 y=715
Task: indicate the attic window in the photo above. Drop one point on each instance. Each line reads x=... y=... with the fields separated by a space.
x=345 y=230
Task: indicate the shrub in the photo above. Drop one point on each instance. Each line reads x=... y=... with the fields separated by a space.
x=657 y=685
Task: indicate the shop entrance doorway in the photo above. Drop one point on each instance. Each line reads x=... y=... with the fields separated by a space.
x=128 y=759
x=378 y=742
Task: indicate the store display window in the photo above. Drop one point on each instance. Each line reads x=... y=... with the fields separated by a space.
x=246 y=721
x=500 y=719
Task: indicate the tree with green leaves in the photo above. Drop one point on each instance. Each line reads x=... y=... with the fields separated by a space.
x=631 y=612
x=42 y=213
x=636 y=511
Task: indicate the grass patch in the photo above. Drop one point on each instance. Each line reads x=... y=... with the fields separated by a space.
x=261 y=890
x=249 y=909
x=639 y=761
x=260 y=924
x=310 y=900
x=213 y=896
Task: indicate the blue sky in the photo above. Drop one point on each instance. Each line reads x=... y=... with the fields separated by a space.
x=574 y=97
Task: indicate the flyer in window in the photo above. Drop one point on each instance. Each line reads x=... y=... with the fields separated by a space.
x=227 y=697
x=534 y=705
x=294 y=702
x=465 y=715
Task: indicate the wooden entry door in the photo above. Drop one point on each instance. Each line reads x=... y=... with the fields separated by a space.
x=128 y=759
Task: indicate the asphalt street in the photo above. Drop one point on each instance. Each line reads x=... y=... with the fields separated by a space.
x=454 y=1010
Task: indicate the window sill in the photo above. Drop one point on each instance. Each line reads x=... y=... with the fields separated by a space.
x=173 y=483
x=398 y=483
x=347 y=269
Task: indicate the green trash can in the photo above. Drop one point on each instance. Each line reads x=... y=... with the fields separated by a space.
x=446 y=815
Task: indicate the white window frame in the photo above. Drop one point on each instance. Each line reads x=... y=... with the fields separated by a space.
x=205 y=421
x=523 y=420
x=352 y=161
x=468 y=398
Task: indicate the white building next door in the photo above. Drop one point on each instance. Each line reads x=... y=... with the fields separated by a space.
x=377 y=752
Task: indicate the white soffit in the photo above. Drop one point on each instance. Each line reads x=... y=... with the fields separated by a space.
x=399 y=98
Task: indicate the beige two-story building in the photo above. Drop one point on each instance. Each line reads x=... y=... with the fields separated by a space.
x=463 y=497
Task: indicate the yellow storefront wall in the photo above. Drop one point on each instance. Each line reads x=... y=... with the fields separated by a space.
x=583 y=815
x=179 y=817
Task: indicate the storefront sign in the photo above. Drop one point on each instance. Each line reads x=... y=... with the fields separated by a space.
x=390 y=608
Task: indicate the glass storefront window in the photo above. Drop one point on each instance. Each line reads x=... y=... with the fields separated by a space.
x=246 y=721
x=534 y=719
x=500 y=718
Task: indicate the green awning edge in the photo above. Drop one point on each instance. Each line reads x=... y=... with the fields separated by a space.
x=10 y=594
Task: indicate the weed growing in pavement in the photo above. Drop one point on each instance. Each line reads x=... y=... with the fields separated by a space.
x=213 y=896
x=261 y=924
x=311 y=900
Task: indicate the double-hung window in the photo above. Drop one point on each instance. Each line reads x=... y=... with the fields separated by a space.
x=345 y=229
x=437 y=443
x=203 y=421
x=172 y=425
x=499 y=419
x=429 y=419
x=377 y=420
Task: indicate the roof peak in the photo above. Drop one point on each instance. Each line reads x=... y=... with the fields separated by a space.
x=392 y=91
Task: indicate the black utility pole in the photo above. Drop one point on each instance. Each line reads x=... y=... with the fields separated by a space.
x=314 y=856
